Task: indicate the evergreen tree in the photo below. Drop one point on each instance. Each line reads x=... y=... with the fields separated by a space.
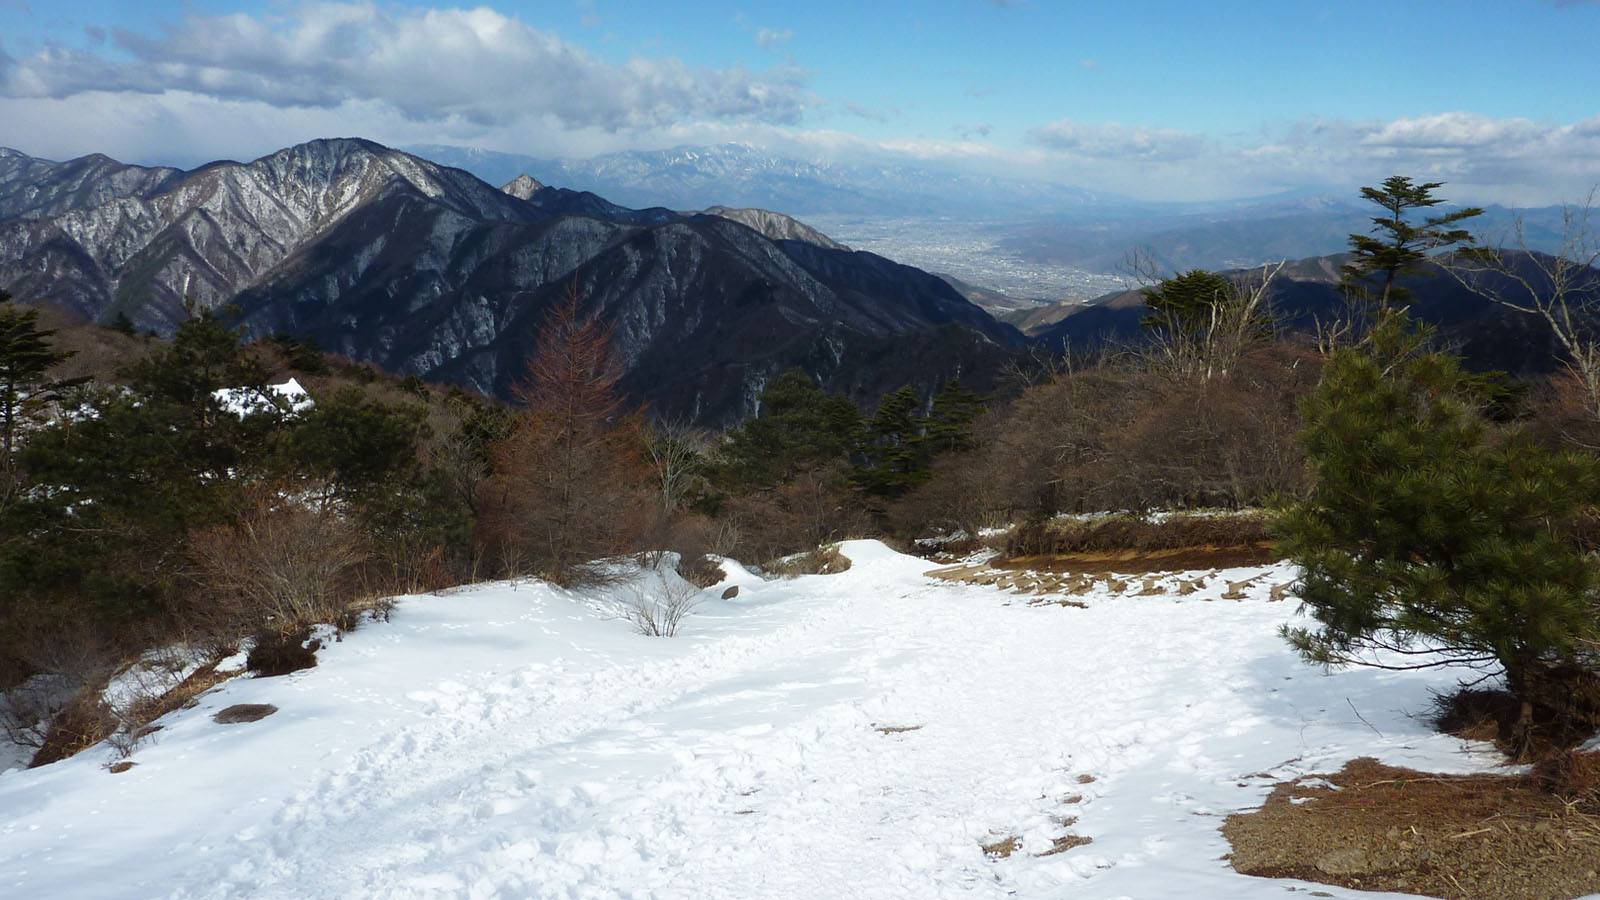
x=1431 y=535
x=892 y=449
x=797 y=426
x=950 y=421
x=125 y=483
x=26 y=355
x=1183 y=303
x=1396 y=246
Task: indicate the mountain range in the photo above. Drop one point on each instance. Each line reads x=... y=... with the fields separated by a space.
x=742 y=175
x=422 y=268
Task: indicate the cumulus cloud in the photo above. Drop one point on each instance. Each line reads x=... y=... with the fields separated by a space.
x=428 y=64
x=1113 y=140
x=1514 y=161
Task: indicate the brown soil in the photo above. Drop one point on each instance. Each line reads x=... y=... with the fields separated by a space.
x=244 y=712
x=1462 y=837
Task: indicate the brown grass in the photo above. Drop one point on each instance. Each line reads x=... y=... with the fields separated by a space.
x=1461 y=837
x=1130 y=533
x=148 y=709
x=81 y=724
x=1066 y=842
x=1002 y=848
x=821 y=561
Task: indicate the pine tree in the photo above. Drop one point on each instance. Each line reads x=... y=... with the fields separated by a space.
x=26 y=355
x=797 y=427
x=1184 y=303
x=1399 y=246
x=1433 y=536
x=950 y=421
x=892 y=449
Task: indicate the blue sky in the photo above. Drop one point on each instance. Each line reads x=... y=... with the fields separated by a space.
x=1174 y=100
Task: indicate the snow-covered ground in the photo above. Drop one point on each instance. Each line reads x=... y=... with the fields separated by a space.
x=517 y=740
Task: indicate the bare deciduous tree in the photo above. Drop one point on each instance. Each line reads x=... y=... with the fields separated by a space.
x=1562 y=288
x=676 y=450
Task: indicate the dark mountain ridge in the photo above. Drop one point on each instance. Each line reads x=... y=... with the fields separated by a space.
x=1306 y=291
x=425 y=269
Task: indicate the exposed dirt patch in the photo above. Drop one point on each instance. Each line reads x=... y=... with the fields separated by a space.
x=896 y=729
x=1463 y=837
x=244 y=712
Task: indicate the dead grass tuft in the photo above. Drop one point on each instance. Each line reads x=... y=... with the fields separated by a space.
x=85 y=721
x=821 y=561
x=1478 y=714
x=1002 y=848
x=1125 y=532
x=1066 y=842
x=1573 y=777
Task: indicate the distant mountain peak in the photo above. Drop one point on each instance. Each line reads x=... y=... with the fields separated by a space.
x=776 y=226
x=522 y=187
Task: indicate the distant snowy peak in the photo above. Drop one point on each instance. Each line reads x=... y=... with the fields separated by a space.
x=776 y=226
x=743 y=176
x=523 y=187
x=100 y=237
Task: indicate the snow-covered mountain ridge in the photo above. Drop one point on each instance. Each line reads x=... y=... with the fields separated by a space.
x=421 y=268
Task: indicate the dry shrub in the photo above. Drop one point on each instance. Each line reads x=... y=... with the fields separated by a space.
x=276 y=653
x=816 y=507
x=279 y=567
x=1565 y=713
x=821 y=561
x=1573 y=776
x=1477 y=714
x=700 y=570
x=963 y=495
x=657 y=607
x=85 y=721
x=1118 y=436
x=1129 y=532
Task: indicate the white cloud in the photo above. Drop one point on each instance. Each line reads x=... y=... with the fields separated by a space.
x=767 y=38
x=1113 y=140
x=427 y=64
